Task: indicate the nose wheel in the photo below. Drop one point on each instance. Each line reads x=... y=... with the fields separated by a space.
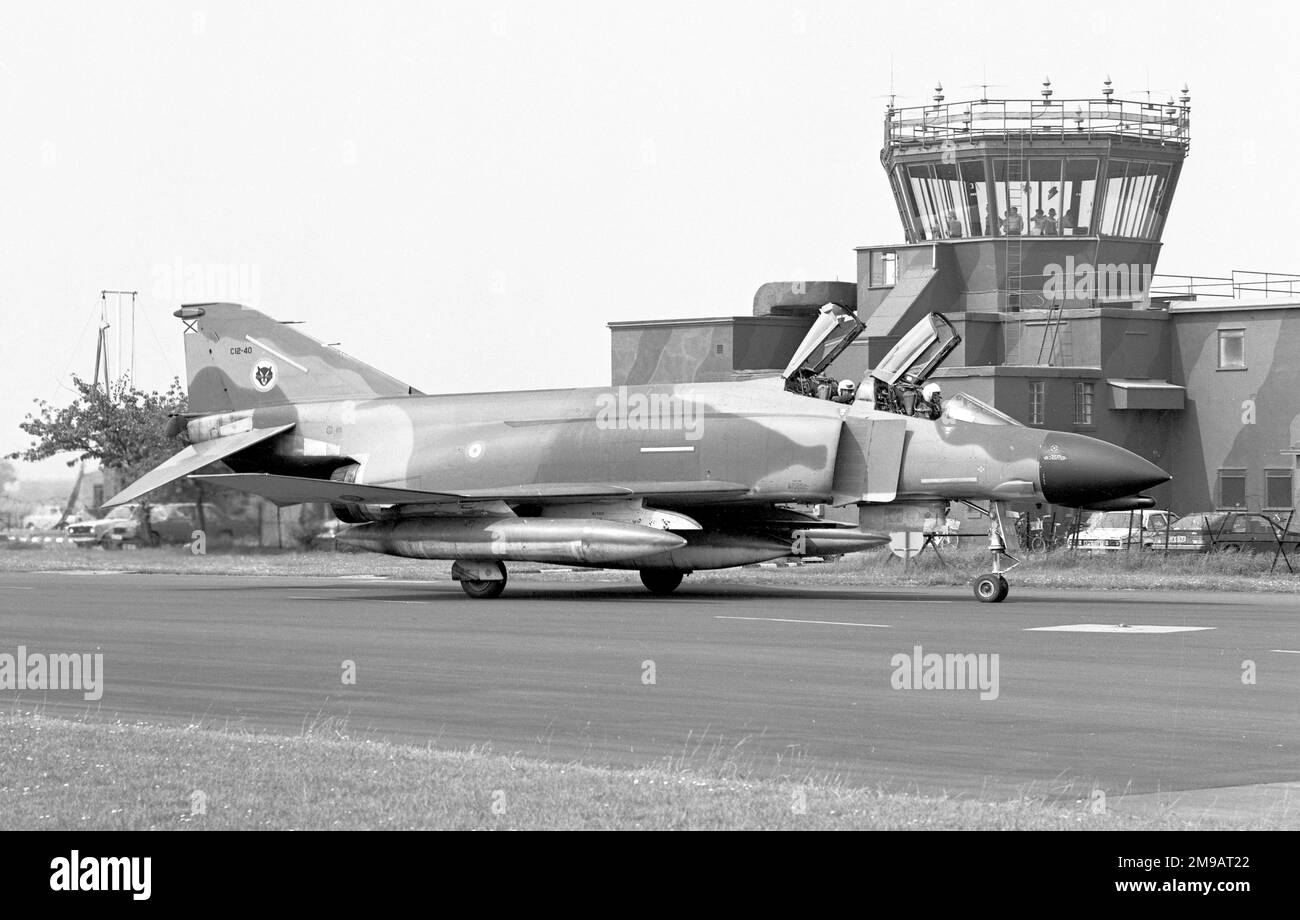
x=991 y=588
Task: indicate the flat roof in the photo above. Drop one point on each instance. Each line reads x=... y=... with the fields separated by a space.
x=1229 y=304
x=765 y=319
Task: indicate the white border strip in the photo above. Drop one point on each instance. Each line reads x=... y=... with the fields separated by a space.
x=813 y=622
x=265 y=347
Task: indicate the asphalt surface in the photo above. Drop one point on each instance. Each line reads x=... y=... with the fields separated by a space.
x=779 y=681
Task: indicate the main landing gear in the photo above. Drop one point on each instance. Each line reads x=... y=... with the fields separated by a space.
x=992 y=587
x=661 y=581
x=481 y=580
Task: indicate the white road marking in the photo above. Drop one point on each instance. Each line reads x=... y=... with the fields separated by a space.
x=928 y=482
x=1118 y=628
x=1285 y=651
x=814 y=622
x=14 y=588
x=667 y=450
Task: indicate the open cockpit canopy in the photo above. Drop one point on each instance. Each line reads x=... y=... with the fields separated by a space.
x=834 y=330
x=918 y=353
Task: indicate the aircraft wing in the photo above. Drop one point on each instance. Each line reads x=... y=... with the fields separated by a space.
x=559 y=492
x=295 y=490
x=192 y=458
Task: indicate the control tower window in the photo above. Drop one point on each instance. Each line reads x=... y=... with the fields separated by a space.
x=1078 y=194
x=948 y=201
x=975 y=194
x=944 y=199
x=1043 y=198
x=1052 y=196
x=925 y=195
x=1136 y=200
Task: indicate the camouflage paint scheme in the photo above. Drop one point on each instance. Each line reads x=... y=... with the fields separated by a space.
x=297 y=421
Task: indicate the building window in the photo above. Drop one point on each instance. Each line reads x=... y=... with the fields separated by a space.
x=720 y=348
x=1278 y=493
x=1083 y=403
x=1232 y=349
x=884 y=269
x=1232 y=488
x=1037 y=398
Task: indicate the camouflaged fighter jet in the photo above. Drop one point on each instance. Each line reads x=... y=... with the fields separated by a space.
x=666 y=480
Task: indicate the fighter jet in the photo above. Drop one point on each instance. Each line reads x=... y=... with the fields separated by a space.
x=666 y=480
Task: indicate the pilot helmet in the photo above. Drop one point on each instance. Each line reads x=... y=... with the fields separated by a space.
x=930 y=390
x=847 y=386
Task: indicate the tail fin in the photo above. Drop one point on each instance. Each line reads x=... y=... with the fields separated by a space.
x=237 y=358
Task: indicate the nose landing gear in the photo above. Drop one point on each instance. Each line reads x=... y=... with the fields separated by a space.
x=992 y=587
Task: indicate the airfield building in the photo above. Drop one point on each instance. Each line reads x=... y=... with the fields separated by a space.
x=1035 y=227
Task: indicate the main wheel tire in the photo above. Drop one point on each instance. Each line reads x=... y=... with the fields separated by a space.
x=661 y=581
x=991 y=588
x=483 y=590
x=1228 y=549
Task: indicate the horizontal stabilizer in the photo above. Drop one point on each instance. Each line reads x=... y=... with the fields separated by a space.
x=297 y=490
x=192 y=458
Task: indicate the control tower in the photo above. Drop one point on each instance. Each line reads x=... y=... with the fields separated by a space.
x=1013 y=205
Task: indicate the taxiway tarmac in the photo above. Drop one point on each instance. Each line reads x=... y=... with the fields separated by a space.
x=791 y=681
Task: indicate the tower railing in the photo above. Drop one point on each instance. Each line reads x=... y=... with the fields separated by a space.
x=1165 y=123
x=1240 y=284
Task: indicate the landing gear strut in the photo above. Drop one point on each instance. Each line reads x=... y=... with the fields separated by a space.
x=480 y=580
x=992 y=587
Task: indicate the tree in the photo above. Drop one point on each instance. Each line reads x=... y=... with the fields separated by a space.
x=123 y=428
x=7 y=475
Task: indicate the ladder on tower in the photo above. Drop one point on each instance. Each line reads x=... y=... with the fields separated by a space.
x=1057 y=339
x=1015 y=199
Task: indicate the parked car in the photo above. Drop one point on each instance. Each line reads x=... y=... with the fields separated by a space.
x=168 y=523
x=1111 y=531
x=47 y=518
x=119 y=526
x=176 y=523
x=1227 y=532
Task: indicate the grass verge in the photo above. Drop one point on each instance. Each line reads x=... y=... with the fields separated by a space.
x=60 y=774
x=1061 y=569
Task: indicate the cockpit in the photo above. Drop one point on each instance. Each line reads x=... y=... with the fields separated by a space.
x=900 y=383
x=832 y=332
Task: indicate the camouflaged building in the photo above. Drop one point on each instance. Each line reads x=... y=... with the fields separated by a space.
x=1035 y=227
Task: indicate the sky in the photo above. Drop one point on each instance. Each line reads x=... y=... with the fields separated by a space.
x=464 y=194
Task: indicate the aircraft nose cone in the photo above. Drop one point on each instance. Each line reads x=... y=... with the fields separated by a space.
x=1076 y=470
